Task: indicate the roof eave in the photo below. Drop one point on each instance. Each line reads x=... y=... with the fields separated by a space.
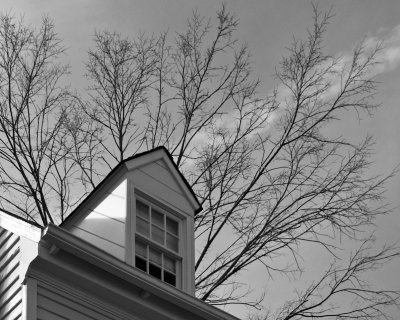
x=61 y=239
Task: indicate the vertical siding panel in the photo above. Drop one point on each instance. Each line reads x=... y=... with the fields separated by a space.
x=10 y=282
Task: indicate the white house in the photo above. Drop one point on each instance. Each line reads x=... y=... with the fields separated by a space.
x=127 y=252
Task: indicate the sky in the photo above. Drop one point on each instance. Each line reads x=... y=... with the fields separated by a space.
x=268 y=28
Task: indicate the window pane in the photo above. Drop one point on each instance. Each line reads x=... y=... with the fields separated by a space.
x=157 y=234
x=140 y=249
x=172 y=242
x=155 y=256
x=169 y=264
x=172 y=226
x=142 y=210
x=157 y=218
x=141 y=263
x=155 y=271
x=143 y=227
x=169 y=278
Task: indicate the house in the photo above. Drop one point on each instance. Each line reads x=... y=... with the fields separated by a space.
x=126 y=252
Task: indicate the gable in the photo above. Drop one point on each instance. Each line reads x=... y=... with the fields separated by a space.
x=156 y=180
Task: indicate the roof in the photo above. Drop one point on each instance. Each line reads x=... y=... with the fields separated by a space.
x=135 y=158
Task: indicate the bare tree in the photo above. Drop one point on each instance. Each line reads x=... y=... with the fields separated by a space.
x=119 y=71
x=263 y=166
x=36 y=172
x=346 y=283
x=268 y=173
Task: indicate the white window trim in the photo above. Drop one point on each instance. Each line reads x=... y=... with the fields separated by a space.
x=178 y=260
x=135 y=194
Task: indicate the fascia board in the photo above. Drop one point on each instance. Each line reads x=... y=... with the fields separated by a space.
x=20 y=227
x=64 y=240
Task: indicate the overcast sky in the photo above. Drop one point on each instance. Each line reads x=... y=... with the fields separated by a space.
x=267 y=27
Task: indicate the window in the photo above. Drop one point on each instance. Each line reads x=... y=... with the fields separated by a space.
x=157 y=243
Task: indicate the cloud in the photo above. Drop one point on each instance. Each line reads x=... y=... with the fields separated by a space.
x=389 y=56
x=388 y=59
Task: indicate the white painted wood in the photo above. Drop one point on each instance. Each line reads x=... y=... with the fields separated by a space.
x=104 y=227
x=3 y=234
x=159 y=190
x=29 y=251
x=100 y=290
x=107 y=219
x=13 y=307
x=15 y=313
x=96 y=197
x=101 y=243
x=29 y=303
x=10 y=282
x=162 y=163
x=157 y=182
x=54 y=303
x=56 y=307
x=8 y=245
x=130 y=224
x=9 y=267
x=190 y=254
x=19 y=227
x=162 y=175
x=158 y=155
x=113 y=207
x=43 y=314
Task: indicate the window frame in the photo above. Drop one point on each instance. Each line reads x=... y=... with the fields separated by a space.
x=167 y=212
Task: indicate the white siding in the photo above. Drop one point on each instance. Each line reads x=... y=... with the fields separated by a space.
x=158 y=182
x=10 y=283
x=53 y=304
x=104 y=227
x=162 y=175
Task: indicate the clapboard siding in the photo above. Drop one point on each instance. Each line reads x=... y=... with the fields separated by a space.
x=162 y=164
x=105 y=244
x=54 y=304
x=104 y=226
x=10 y=283
x=152 y=185
x=109 y=229
x=162 y=174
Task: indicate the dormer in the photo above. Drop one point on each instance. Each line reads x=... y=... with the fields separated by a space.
x=142 y=213
x=127 y=252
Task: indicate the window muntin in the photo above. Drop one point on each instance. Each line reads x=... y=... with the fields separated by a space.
x=157 y=226
x=155 y=262
x=156 y=243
